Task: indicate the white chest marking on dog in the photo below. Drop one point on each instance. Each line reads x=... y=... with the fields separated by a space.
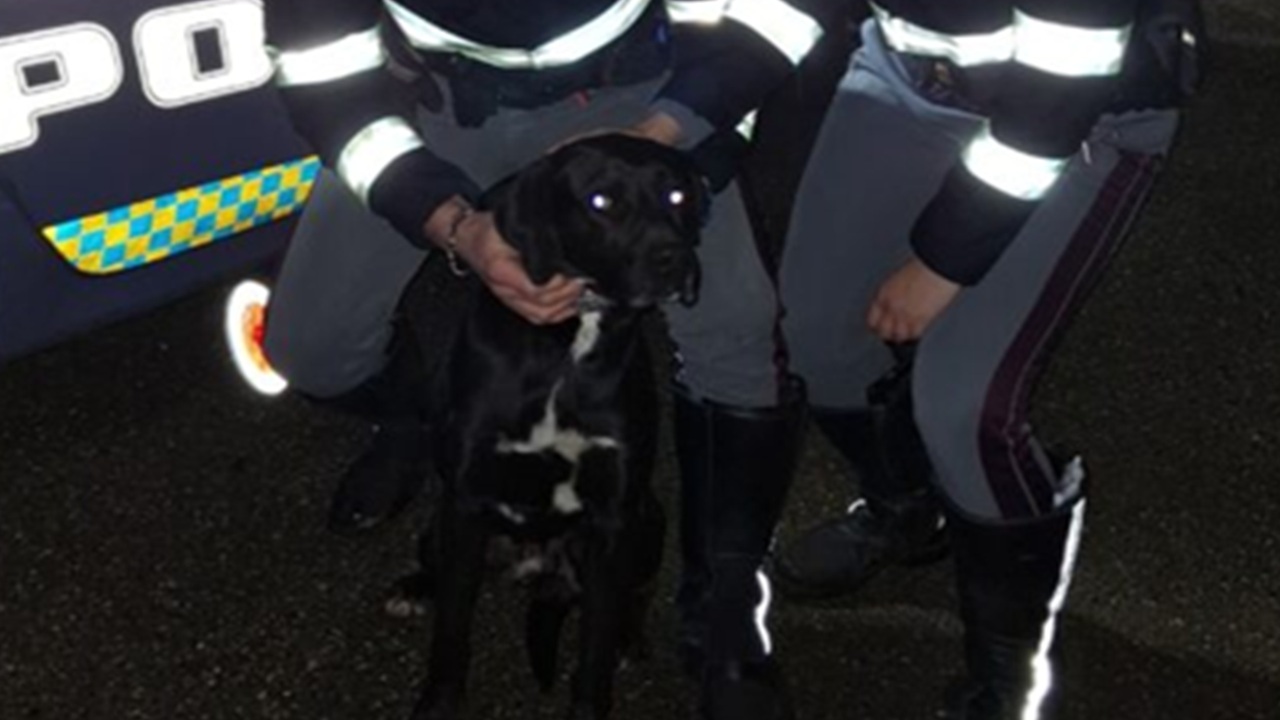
x=547 y=434
x=566 y=500
x=588 y=334
x=565 y=442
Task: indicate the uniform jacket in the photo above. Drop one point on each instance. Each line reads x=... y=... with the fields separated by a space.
x=727 y=55
x=1042 y=72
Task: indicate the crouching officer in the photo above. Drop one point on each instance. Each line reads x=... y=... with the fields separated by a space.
x=976 y=171
x=416 y=105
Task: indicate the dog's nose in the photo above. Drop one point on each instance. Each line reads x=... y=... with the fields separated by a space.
x=670 y=269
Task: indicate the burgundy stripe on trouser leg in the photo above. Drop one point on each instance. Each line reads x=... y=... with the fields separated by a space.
x=1018 y=480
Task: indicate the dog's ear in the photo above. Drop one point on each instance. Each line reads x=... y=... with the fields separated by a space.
x=523 y=208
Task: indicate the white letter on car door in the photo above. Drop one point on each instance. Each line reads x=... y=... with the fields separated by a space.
x=53 y=71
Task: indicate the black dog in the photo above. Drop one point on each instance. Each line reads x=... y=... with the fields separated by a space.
x=549 y=433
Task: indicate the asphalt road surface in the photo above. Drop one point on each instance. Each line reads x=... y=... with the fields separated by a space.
x=162 y=555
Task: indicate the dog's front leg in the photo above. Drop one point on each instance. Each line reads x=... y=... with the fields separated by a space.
x=600 y=626
x=600 y=634
x=460 y=549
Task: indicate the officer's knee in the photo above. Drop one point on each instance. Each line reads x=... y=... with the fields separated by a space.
x=729 y=354
x=965 y=426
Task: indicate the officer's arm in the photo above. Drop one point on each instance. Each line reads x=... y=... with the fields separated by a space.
x=729 y=54
x=1066 y=65
x=331 y=69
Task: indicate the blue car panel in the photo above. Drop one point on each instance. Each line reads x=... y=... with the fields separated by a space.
x=143 y=155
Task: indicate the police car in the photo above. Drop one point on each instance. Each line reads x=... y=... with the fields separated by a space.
x=143 y=155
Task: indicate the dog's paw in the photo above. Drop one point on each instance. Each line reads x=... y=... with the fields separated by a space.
x=410 y=597
x=402 y=608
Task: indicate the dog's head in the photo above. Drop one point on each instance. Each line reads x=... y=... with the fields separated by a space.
x=621 y=211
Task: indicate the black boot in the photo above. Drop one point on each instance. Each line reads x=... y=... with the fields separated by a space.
x=1012 y=581
x=896 y=521
x=386 y=477
x=736 y=466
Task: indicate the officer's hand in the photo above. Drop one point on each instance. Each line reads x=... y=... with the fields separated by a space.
x=658 y=127
x=909 y=301
x=498 y=265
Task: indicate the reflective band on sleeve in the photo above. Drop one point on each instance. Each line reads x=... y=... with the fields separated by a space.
x=963 y=50
x=1014 y=173
x=1069 y=50
x=792 y=32
x=372 y=150
x=702 y=12
x=564 y=50
x=349 y=56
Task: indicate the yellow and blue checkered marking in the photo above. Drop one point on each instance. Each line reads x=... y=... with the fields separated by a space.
x=152 y=230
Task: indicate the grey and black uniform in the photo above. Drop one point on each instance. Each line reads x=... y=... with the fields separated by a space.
x=1008 y=145
x=499 y=83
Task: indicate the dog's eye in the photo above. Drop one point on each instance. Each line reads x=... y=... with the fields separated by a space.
x=600 y=201
x=676 y=198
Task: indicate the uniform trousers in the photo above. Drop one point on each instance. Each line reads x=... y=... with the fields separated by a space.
x=888 y=141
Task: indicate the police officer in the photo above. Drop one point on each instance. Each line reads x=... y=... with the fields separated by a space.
x=978 y=167
x=490 y=86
